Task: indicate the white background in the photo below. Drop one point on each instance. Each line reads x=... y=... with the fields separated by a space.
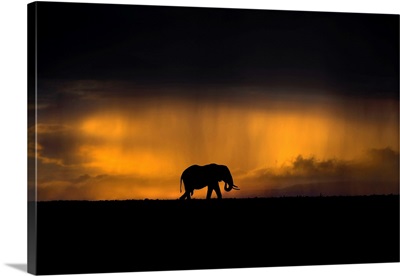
x=13 y=132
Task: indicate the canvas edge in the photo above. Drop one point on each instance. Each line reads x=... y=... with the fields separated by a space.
x=32 y=101
x=32 y=85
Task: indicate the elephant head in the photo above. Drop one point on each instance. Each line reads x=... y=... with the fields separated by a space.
x=226 y=176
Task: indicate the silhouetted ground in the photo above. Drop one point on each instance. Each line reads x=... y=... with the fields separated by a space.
x=123 y=236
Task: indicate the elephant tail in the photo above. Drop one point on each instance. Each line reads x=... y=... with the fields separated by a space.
x=180 y=186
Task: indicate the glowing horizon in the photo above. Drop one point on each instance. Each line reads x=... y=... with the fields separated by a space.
x=130 y=148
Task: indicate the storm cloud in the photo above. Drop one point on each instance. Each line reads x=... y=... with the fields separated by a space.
x=375 y=173
x=107 y=187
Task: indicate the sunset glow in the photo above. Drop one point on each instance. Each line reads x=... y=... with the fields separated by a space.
x=140 y=152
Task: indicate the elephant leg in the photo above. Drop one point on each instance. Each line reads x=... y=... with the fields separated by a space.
x=185 y=195
x=218 y=191
x=209 y=191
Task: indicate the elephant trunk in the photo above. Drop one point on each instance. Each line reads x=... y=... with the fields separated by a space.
x=229 y=185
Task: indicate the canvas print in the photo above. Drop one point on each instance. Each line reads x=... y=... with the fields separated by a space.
x=182 y=138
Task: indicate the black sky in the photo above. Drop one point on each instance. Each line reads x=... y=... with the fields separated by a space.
x=352 y=54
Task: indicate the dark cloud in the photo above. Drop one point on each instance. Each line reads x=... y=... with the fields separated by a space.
x=383 y=157
x=107 y=187
x=87 y=95
x=87 y=177
x=381 y=165
x=82 y=178
x=56 y=143
x=354 y=54
x=376 y=173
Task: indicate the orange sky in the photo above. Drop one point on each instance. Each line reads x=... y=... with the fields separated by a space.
x=138 y=148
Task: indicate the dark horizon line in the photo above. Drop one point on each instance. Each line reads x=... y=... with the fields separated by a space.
x=216 y=199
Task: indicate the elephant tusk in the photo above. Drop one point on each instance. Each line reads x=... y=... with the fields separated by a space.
x=235 y=187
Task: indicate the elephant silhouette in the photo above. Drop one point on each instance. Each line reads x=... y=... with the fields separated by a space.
x=197 y=177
